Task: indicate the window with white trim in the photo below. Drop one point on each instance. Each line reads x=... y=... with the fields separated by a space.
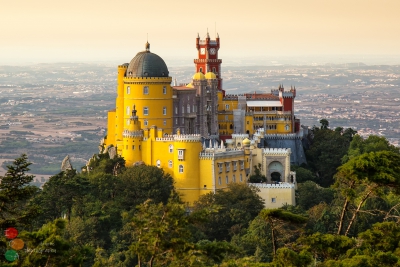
x=164 y=90
x=146 y=111
x=220 y=167
x=234 y=178
x=241 y=164
x=145 y=123
x=241 y=177
x=227 y=166
x=227 y=107
x=170 y=163
x=227 y=179
x=181 y=154
x=158 y=163
x=188 y=108
x=145 y=90
x=128 y=111
x=164 y=111
x=180 y=168
x=171 y=148
x=128 y=90
x=273 y=200
x=219 y=180
x=234 y=164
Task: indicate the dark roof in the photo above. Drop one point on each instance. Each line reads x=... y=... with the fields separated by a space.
x=147 y=64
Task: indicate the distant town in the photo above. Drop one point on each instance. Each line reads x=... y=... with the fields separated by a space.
x=49 y=111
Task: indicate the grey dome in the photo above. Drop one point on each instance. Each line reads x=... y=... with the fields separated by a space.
x=147 y=64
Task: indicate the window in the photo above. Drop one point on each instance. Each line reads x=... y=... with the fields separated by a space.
x=164 y=111
x=241 y=177
x=234 y=165
x=139 y=147
x=176 y=121
x=273 y=200
x=145 y=111
x=201 y=70
x=287 y=127
x=228 y=166
x=128 y=110
x=170 y=163
x=188 y=108
x=176 y=110
x=183 y=110
x=194 y=108
x=234 y=178
x=133 y=147
x=164 y=90
x=145 y=90
x=219 y=180
x=241 y=164
x=226 y=117
x=248 y=122
x=158 y=163
x=128 y=90
x=128 y=121
x=227 y=179
x=146 y=123
x=165 y=122
x=214 y=70
x=183 y=120
x=180 y=168
x=181 y=154
x=171 y=148
x=220 y=167
x=227 y=107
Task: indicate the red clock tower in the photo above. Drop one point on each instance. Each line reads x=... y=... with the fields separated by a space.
x=208 y=57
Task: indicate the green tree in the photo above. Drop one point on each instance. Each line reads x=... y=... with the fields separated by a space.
x=310 y=194
x=16 y=208
x=237 y=207
x=324 y=123
x=364 y=176
x=257 y=177
x=279 y=222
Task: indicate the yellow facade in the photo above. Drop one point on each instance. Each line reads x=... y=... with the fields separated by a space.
x=140 y=129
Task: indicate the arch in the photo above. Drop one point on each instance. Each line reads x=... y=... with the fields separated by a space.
x=276 y=171
x=158 y=163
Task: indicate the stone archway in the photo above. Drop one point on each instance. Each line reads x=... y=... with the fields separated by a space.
x=276 y=172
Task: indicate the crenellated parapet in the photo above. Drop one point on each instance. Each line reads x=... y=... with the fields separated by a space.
x=220 y=153
x=283 y=136
x=132 y=134
x=273 y=186
x=240 y=136
x=277 y=151
x=187 y=137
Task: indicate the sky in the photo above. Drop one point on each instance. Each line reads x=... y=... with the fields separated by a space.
x=44 y=31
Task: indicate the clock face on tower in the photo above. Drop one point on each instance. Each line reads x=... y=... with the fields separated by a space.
x=202 y=51
x=213 y=51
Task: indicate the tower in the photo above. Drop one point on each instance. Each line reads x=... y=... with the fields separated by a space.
x=207 y=59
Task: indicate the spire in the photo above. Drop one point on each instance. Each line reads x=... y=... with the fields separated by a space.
x=217 y=35
x=198 y=35
x=147 y=46
x=208 y=35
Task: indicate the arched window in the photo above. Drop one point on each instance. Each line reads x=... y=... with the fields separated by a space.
x=227 y=179
x=170 y=163
x=171 y=148
x=201 y=70
x=128 y=90
x=188 y=108
x=128 y=111
x=164 y=111
x=145 y=111
x=180 y=168
x=158 y=163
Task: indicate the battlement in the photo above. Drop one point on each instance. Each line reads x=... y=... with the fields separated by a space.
x=240 y=136
x=187 y=137
x=283 y=136
x=132 y=134
x=219 y=153
x=276 y=151
x=124 y=66
x=274 y=186
x=166 y=138
x=148 y=79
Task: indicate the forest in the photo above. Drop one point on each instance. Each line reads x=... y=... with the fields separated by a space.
x=347 y=214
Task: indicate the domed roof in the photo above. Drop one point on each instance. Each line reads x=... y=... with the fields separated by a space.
x=210 y=75
x=147 y=64
x=198 y=76
x=246 y=142
x=190 y=85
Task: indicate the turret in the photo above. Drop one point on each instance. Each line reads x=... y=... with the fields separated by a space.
x=198 y=41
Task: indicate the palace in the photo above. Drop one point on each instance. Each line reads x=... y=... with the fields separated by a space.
x=203 y=137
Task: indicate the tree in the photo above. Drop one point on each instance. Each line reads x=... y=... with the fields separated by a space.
x=236 y=207
x=324 y=123
x=370 y=172
x=279 y=222
x=15 y=194
x=257 y=177
x=311 y=194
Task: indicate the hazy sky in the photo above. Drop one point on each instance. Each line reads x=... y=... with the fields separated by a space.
x=104 y=30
